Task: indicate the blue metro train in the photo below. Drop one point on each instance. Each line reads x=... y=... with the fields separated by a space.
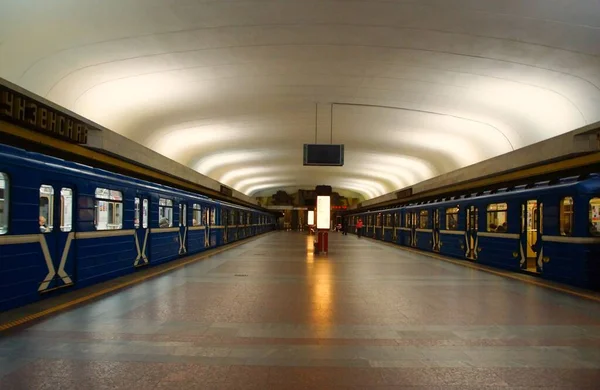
x=550 y=228
x=65 y=225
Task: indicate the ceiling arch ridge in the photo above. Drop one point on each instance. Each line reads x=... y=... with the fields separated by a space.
x=431 y=113
x=395 y=176
x=380 y=186
x=441 y=161
x=554 y=91
x=394 y=90
x=303 y=24
x=387 y=183
x=401 y=3
x=454 y=85
x=231 y=174
x=225 y=121
x=229 y=47
x=365 y=192
x=423 y=80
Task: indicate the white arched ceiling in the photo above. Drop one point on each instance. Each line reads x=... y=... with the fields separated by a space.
x=229 y=88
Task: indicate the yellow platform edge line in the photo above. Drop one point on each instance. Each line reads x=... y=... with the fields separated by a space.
x=108 y=290
x=480 y=267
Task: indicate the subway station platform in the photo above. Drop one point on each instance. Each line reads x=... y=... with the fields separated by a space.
x=268 y=314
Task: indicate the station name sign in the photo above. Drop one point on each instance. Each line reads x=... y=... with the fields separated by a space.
x=27 y=112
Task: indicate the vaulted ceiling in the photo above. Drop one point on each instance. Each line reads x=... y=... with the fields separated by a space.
x=234 y=88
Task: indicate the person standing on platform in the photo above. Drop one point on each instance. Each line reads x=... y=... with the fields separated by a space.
x=344 y=227
x=359 y=226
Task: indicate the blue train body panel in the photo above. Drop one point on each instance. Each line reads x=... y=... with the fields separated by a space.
x=533 y=238
x=68 y=252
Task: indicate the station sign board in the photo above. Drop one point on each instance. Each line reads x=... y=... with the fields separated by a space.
x=20 y=109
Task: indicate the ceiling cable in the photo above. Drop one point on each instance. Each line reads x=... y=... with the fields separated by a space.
x=331 y=129
x=316 y=119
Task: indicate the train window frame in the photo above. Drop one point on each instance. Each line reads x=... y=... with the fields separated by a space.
x=136 y=212
x=452 y=212
x=66 y=209
x=183 y=216
x=4 y=202
x=165 y=212
x=145 y=213
x=407 y=219
x=493 y=210
x=423 y=219
x=46 y=191
x=397 y=219
x=213 y=216
x=594 y=216
x=104 y=200
x=565 y=217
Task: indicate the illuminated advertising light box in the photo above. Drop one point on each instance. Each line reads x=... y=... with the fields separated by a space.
x=323 y=212
x=311 y=217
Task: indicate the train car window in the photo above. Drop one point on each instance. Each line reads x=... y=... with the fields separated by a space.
x=378 y=219
x=497 y=217
x=184 y=214
x=3 y=203
x=423 y=219
x=136 y=213
x=213 y=216
x=196 y=215
x=46 y=214
x=452 y=218
x=109 y=209
x=165 y=213
x=594 y=222
x=66 y=209
x=396 y=220
x=388 y=220
x=407 y=220
x=566 y=216
x=145 y=214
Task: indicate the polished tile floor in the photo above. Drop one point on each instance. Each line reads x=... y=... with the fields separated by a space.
x=271 y=315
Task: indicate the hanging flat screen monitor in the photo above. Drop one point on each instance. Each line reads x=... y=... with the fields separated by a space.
x=324 y=155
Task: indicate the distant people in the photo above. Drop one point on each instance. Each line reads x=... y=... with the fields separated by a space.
x=593 y=229
x=502 y=228
x=359 y=226
x=42 y=222
x=164 y=222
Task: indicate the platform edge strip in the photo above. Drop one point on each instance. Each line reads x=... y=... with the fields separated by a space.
x=108 y=290
x=480 y=267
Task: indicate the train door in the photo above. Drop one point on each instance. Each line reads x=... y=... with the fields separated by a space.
x=413 y=229
x=183 y=229
x=56 y=226
x=142 y=230
x=436 y=230
x=471 y=239
x=225 y=222
x=531 y=232
x=206 y=224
